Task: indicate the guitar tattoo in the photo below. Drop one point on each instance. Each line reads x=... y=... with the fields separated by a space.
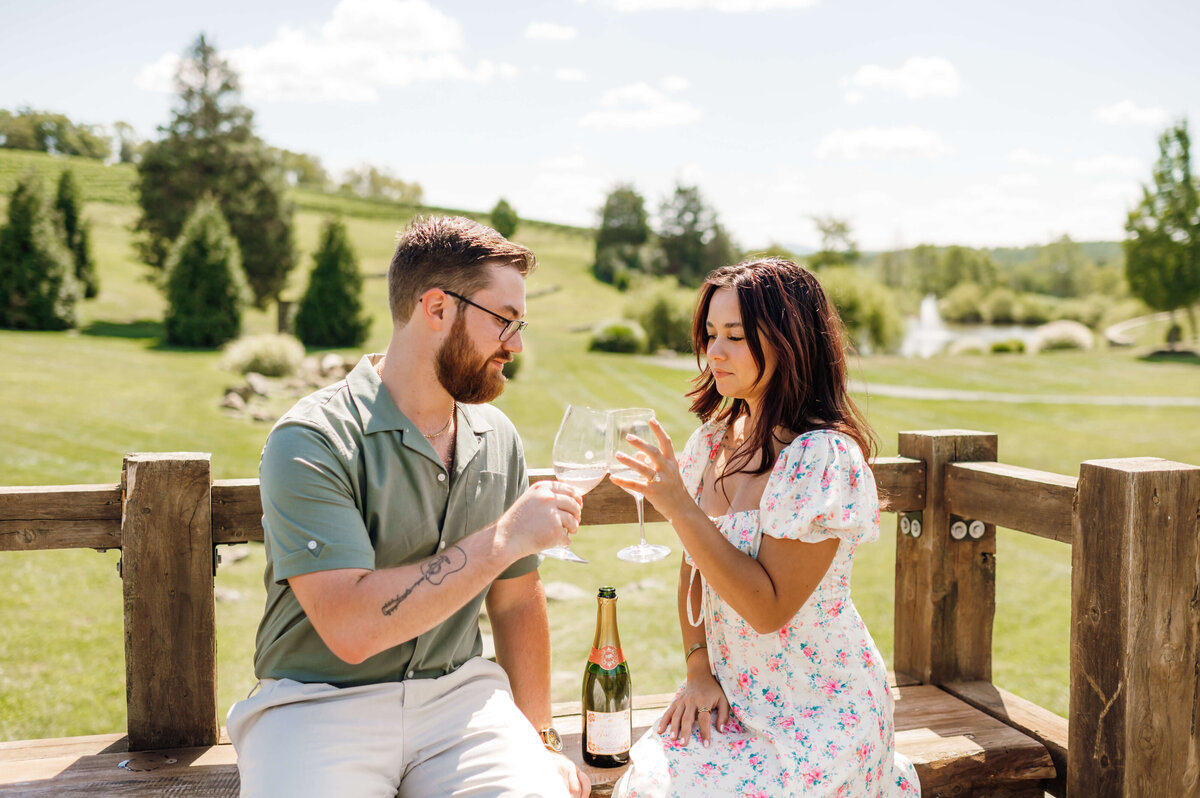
x=433 y=571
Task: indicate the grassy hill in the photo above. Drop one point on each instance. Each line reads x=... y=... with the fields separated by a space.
x=76 y=401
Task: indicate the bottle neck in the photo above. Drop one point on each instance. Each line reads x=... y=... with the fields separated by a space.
x=606 y=645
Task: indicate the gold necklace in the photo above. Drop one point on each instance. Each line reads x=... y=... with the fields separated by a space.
x=446 y=426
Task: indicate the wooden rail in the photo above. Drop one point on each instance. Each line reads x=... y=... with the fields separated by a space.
x=1134 y=528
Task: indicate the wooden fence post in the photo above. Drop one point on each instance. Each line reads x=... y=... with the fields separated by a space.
x=170 y=624
x=1135 y=631
x=945 y=588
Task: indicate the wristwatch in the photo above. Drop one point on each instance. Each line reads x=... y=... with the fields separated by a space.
x=551 y=739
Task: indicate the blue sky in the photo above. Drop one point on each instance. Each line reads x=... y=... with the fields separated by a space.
x=979 y=123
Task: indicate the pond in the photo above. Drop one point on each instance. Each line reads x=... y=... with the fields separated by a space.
x=927 y=334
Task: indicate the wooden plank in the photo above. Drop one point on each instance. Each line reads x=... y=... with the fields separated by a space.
x=45 y=535
x=1041 y=724
x=167 y=577
x=605 y=503
x=945 y=588
x=205 y=770
x=236 y=511
x=986 y=491
x=1135 y=630
x=955 y=747
x=901 y=484
x=60 y=517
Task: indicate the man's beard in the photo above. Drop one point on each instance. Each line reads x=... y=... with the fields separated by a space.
x=467 y=378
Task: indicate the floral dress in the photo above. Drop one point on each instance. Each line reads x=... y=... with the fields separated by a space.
x=811 y=712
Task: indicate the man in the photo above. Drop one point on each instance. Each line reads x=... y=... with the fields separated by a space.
x=393 y=502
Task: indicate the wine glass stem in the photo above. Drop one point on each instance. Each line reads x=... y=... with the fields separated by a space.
x=637 y=499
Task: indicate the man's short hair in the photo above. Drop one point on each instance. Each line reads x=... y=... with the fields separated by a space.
x=447 y=252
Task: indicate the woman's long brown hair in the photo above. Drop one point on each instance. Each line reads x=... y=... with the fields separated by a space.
x=783 y=305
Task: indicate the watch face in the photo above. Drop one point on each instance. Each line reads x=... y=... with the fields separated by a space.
x=551 y=739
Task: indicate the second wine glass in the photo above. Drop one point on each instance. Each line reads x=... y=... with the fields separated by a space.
x=633 y=421
x=580 y=458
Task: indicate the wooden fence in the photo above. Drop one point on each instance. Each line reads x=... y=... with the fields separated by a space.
x=1133 y=525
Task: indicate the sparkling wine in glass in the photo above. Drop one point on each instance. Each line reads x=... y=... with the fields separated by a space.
x=633 y=421
x=580 y=458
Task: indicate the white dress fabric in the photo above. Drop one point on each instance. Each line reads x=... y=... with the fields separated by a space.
x=811 y=711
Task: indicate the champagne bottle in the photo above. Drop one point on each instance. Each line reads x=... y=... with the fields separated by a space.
x=607 y=691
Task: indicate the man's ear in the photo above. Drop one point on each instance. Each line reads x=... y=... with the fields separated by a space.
x=434 y=307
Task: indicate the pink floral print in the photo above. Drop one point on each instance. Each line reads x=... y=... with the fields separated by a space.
x=811 y=709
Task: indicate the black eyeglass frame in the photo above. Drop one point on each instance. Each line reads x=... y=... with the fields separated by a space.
x=511 y=326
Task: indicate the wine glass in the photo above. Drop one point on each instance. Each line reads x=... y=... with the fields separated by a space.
x=580 y=458
x=633 y=421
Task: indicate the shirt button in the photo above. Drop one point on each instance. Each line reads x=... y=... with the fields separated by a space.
x=442 y=545
x=411 y=674
x=312 y=544
x=441 y=477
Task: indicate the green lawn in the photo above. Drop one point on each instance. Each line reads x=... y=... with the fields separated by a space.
x=75 y=402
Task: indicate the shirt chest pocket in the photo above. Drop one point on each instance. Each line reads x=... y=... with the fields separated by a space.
x=484 y=496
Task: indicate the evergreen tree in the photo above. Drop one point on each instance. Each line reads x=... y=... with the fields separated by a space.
x=688 y=225
x=205 y=286
x=210 y=149
x=504 y=218
x=76 y=233
x=1162 y=253
x=38 y=290
x=623 y=219
x=838 y=247
x=331 y=312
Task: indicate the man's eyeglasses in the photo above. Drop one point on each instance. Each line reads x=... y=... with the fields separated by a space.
x=511 y=326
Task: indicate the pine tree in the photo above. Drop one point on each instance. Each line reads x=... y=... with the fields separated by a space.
x=210 y=149
x=331 y=312
x=38 y=290
x=76 y=233
x=205 y=287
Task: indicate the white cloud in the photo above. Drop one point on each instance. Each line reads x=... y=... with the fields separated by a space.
x=1109 y=165
x=550 y=32
x=1024 y=157
x=874 y=142
x=1114 y=191
x=159 y=76
x=570 y=75
x=1018 y=180
x=640 y=106
x=1127 y=112
x=364 y=46
x=728 y=6
x=916 y=78
x=675 y=83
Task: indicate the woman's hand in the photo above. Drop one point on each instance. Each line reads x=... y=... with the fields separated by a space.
x=700 y=698
x=661 y=483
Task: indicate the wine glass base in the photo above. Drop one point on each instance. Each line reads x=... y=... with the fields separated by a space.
x=563 y=553
x=643 y=552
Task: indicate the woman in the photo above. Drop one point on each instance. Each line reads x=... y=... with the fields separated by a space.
x=770 y=497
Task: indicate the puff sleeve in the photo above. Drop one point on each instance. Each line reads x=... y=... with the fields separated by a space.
x=821 y=488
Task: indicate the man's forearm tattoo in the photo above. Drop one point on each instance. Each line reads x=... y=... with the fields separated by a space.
x=433 y=571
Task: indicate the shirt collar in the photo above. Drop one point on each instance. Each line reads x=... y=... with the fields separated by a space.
x=379 y=411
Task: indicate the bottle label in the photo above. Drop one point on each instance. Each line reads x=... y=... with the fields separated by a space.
x=607 y=657
x=608 y=733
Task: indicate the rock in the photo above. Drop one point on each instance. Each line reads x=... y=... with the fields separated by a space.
x=564 y=591
x=333 y=362
x=258 y=383
x=233 y=400
x=226 y=594
x=232 y=554
x=243 y=390
x=262 y=414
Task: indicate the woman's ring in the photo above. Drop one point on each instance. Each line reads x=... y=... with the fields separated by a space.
x=658 y=477
x=702 y=709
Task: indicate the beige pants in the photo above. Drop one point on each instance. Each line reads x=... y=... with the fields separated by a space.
x=457 y=735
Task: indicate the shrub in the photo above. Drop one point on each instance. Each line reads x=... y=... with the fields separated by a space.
x=1000 y=306
x=1035 y=309
x=38 y=289
x=1062 y=334
x=513 y=366
x=963 y=304
x=1089 y=310
x=331 y=312
x=76 y=233
x=618 y=335
x=868 y=308
x=615 y=262
x=274 y=355
x=205 y=287
x=967 y=345
x=504 y=218
x=1011 y=346
x=667 y=320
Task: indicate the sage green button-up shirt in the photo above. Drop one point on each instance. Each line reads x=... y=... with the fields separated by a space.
x=347 y=481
